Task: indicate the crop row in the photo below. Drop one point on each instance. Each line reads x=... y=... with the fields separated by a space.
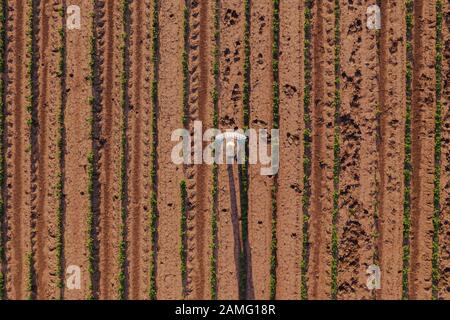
x=154 y=147
x=407 y=164
x=2 y=123
x=336 y=148
x=276 y=125
x=307 y=139
x=215 y=173
x=438 y=150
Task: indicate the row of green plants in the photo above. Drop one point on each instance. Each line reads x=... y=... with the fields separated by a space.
x=154 y=160
x=185 y=121
x=337 y=149
x=407 y=164
x=243 y=169
x=60 y=154
x=307 y=140
x=93 y=102
x=276 y=125
x=2 y=123
x=437 y=150
x=124 y=79
x=215 y=169
x=183 y=237
x=30 y=106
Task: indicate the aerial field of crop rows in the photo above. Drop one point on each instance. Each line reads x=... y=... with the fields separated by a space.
x=94 y=206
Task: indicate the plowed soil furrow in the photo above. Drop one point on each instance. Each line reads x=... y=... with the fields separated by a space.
x=392 y=150
x=230 y=117
x=170 y=82
x=444 y=239
x=109 y=29
x=18 y=152
x=201 y=82
x=49 y=101
x=139 y=129
x=261 y=117
x=422 y=146
x=78 y=148
x=358 y=177
x=290 y=216
x=322 y=186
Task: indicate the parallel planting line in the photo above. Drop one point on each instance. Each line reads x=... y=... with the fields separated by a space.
x=307 y=139
x=290 y=217
x=444 y=239
x=437 y=152
x=154 y=216
x=3 y=39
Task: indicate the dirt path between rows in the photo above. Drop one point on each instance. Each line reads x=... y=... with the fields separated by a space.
x=422 y=149
x=392 y=151
x=139 y=129
x=322 y=186
x=49 y=104
x=18 y=154
x=231 y=51
x=109 y=29
x=444 y=239
x=78 y=147
x=170 y=82
x=261 y=117
x=290 y=215
x=358 y=187
x=199 y=177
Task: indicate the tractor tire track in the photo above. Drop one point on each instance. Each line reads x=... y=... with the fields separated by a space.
x=47 y=200
x=358 y=177
x=18 y=153
x=322 y=185
x=230 y=117
x=199 y=183
x=110 y=29
x=422 y=143
x=444 y=239
x=139 y=140
x=170 y=82
x=392 y=152
x=290 y=215
x=78 y=148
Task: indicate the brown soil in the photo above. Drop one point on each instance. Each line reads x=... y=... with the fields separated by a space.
x=422 y=134
x=18 y=154
x=49 y=103
x=170 y=83
x=290 y=215
x=139 y=128
x=230 y=116
x=359 y=70
x=109 y=29
x=444 y=239
x=199 y=177
x=261 y=117
x=322 y=187
x=78 y=147
x=391 y=150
